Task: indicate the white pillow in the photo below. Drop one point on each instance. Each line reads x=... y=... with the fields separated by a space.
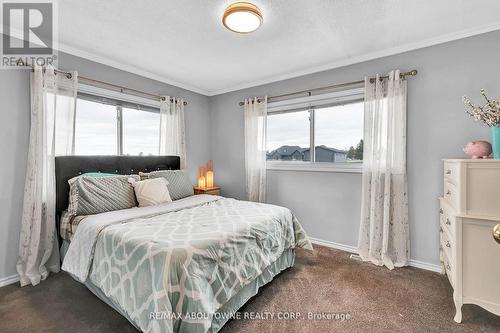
x=151 y=192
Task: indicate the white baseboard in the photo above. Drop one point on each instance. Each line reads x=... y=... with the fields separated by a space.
x=425 y=265
x=9 y=280
x=338 y=246
x=15 y=278
x=353 y=249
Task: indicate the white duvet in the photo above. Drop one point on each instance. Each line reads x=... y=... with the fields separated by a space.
x=78 y=258
x=189 y=256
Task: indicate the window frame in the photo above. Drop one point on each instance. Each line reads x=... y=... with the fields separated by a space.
x=311 y=103
x=120 y=97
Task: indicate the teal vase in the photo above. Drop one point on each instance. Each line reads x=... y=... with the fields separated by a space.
x=495 y=141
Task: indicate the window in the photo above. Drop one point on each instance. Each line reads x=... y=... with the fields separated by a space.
x=95 y=128
x=287 y=135
x=332 y=124
x=141 y=132
x=111 y=126
x=339 y=128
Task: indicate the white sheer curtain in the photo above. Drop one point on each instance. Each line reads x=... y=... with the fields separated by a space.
x=255 y=148
x=53 y=99
x=172 y=133
x=384 y=230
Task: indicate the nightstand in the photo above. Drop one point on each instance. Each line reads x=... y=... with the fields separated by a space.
x=213 y=190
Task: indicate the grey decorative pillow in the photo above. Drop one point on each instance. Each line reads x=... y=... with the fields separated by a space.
x=179 y=185
x=93 y=195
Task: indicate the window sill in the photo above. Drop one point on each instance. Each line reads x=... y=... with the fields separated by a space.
x=346 y=167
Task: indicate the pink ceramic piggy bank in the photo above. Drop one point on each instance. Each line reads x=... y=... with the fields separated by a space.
x=478 y=149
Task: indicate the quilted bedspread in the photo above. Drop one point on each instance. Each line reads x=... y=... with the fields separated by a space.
x=171 y=268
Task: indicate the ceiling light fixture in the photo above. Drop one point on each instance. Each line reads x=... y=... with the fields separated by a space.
x=242 y=17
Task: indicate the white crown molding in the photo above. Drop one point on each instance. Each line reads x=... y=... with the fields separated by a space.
x=370 y=56
x=128 y=68
x=351 y=249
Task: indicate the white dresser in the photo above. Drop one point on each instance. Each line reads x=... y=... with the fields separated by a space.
x=469 y=210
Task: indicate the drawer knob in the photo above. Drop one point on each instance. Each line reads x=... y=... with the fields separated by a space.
x=496 y=233
x=448 y=244
x=440 y=210
x=448 y=222
x=448 y=172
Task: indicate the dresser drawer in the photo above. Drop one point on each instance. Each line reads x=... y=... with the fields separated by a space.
x=451 y=172
x=451 y=195
x=447 y=217
x=446 y=243
x=449 y=269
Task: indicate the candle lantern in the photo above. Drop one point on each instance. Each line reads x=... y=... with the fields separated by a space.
x=210 y=174
x=201 y=177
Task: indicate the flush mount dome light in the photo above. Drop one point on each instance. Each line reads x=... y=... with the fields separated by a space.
x=242 y=17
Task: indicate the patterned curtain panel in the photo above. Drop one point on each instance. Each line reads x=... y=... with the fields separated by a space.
x=53 y=100
x=384 y=237
x=255 y=148
x=172 y=134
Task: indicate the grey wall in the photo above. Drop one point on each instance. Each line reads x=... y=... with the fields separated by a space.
x=14 y=135
x=14 y=129
x=328 y=204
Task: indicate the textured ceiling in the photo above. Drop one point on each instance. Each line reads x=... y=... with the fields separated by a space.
x=184 y=42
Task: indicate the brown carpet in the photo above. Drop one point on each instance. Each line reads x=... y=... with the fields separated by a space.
x=377 y=300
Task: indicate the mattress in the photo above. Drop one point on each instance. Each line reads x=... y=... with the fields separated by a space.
x=186 y=266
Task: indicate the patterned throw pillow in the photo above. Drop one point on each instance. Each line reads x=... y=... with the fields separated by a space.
x=151 y=192
x=93 y=195
x=179 y=185
x=68 y=225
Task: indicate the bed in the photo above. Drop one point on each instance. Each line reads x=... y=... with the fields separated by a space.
x=185 y=266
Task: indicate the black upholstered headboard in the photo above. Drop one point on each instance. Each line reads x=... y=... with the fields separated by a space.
x=68 y=167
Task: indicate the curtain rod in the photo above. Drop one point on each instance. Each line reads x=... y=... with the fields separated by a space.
x=339 y=85
x=124 y=89
x=115 y=86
